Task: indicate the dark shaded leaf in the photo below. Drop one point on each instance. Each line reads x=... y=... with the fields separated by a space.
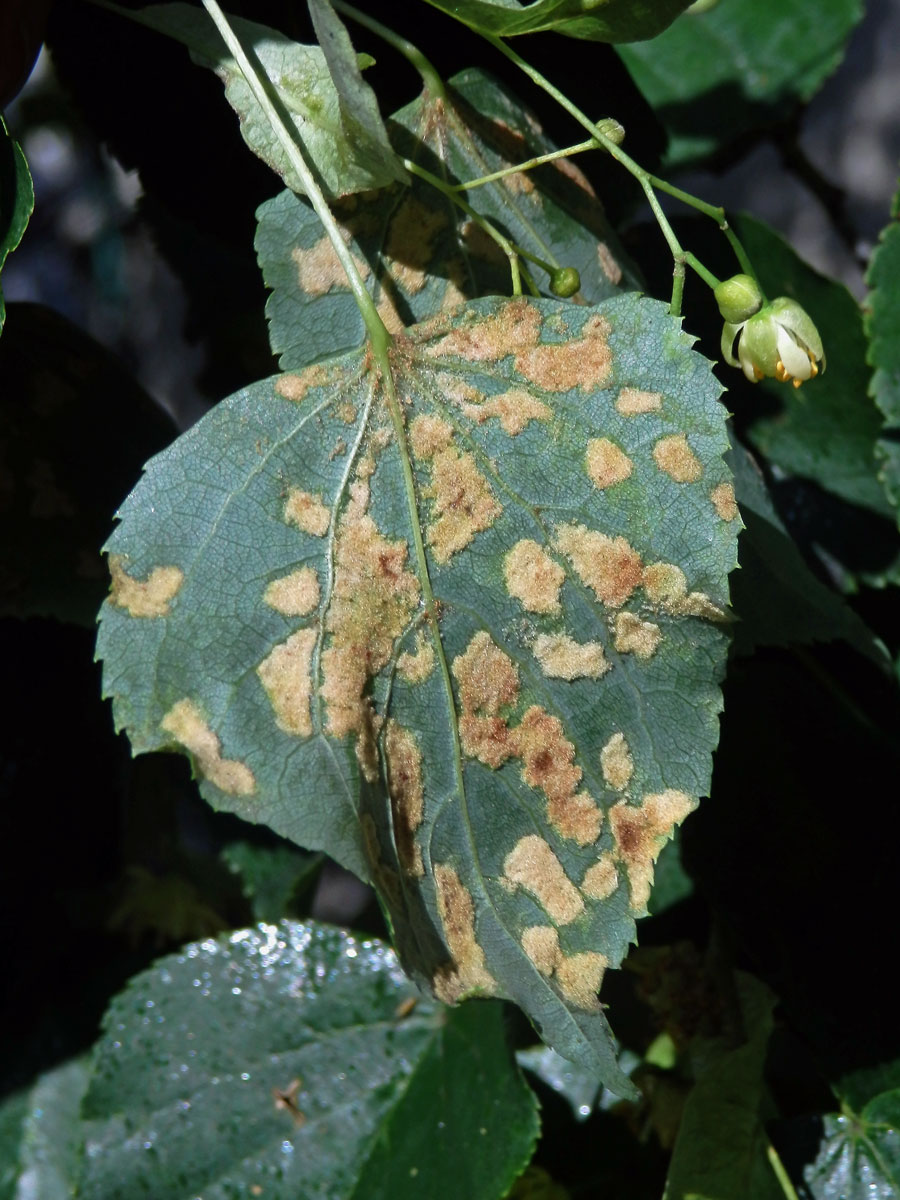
x=270 y=875
x=596 y=20
x=882 y=324
x=13 y=1111
x=16 y=200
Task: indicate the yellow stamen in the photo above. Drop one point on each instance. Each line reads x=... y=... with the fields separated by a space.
x=797 y=382
x=780 y=373
x=813 y=367
x=759 y=374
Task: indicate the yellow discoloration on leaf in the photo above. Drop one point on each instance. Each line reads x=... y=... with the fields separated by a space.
x=724 y=502
x=665 y=586
x=307 y=512
x=463 y=503
x=453 y=388
x=410 y=243
x=673 y=455
x=579 y=977
x=637 y=637
x=466 y=973
x=640 y=834
x=616 y=762
x=608 y=264
x=386 y=305
x=346 y=412
x=428 y=435
x=407 y=793
x=285 y=675
x=561 y=657
x=319 y=268
x=514 y=408
x=186 y=724
x=631 y=402
x=532 y=577
x=610 y=567
x=294 y=595
x=606 y=463
x=150 y=597
x=541 y=944
x=515 y=327
x=416 y=667
x=583 y=362
x=602 y=879
x=294 y=387
x=548 y=763
x=488 y=681
x=532 y=865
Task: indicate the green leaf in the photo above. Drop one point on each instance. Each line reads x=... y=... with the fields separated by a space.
x=720 y=1152
x=51 y=1135
x=594 y=20
x=671 y=883
x=13 y=1111
x=348 y=149
x=16 y=200
x=717 y=74
x=882 y=325
x=826 y=430
x=76 y=429
x=859 y=1156
x=299 y=1059
x=270 y=875
x=416 y=251
x=543 y=721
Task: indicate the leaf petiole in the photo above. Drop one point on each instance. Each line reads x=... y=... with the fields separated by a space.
x=412 y=54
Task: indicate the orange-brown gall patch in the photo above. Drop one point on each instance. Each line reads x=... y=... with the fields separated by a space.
x=285 y=675
x=724 y=502
x=428 y=435
x=602 y=879
x=488 y=681
x=294 y=387
x=665 y=585
x=541 y=944
x=673 y=455
x=463 y=503
x=606 y=463
x=561 y=657
x=186 y=724
x=514 y=408
x=532 y=577
x=631 y=402
x=640 y=834
x=307 y=512
x=150 y=597
x=608 y=264
x=466 y=973
x=512 y=329
x=532 y=865
x=407 y=793
x=579 y=977
x=584 y=362
x=610 y=567
x=616 y=762
x=637 y=637
x=294 y=595
x=416 y=667
x=319 y=268
x=548 y=763
x=410 y=243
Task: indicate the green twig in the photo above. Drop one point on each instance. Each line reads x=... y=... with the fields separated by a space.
x=580 y=148
x=790 y=1192
x=716 y=212
x=411 y=53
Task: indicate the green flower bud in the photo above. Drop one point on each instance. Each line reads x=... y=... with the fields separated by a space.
x=738 y=298
x=565 y=282
x=780 y=341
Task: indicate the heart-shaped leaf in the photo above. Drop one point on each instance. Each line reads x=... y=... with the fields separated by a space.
x=459 y=623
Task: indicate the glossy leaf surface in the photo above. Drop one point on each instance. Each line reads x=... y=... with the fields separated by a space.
x=883 y=331
x=416 y=251
x=290 y=1058
x=859 y=1156
x=595 y=20
x=466 y=593
x=50 y=1137
x=16 y=200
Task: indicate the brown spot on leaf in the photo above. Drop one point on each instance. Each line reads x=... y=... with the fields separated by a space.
x=407 y=793
x=724 y=502
x=548 y=764
x=583 y=362
x=637 y=637
x=609 y=566
x=515 y=409
x=185 y=723
x=579 y=977
x=532 y=865
x=488 y=681
x=285 y=675
x=606 y=463
x=463 y=503
x=150 y=597
x=616 y=762
x=466 y=973
x=631 y=402
x=294 y=387
x=561 y=657
x=307 y=512
x=673 y=455
x=410 y=243
x=665 y=586
x=532 y=577
x=319 y=268
x=294 y=595
x=640 y=834
x=608 y=264
x=428 y=435
x=515 y=327
x=415 y=668
x=541 y=944
x=602 y=879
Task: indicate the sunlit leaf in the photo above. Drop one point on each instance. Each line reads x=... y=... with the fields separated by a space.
x=419 y=253
x=350 y=155
x=595 y=20
x=883 y=330
x=51 y=1139
x=543 y=722
x=16 y=200
x=298 y=1060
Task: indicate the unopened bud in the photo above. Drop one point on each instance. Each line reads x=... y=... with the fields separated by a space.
x=565 y=282
x=738 y=298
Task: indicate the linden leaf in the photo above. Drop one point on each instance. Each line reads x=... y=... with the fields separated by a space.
x=467 y=640
x=882 y=324
x=419 y=253
x=859 y=1154
x=594 y=20
x=350 y=151
x=16 y=200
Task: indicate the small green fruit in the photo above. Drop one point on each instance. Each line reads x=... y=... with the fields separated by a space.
x=565 y=282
